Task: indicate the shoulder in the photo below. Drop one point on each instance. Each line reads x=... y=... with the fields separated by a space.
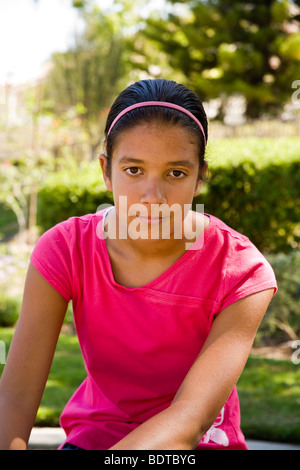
x=225 y=232
x=245 y=269
x=215 y=237
x=82 y=222
x=239 y=254
x=71 y=236
x=63 y=250
x=226 y=240
x=77 y=227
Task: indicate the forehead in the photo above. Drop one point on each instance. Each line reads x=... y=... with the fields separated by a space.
x=156 y=140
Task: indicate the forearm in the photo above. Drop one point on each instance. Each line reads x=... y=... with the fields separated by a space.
x=15 y=425
x=171 y=429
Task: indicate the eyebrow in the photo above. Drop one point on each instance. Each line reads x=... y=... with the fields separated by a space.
x=186 y=163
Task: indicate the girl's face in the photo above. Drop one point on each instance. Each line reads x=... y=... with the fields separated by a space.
x=157 y=167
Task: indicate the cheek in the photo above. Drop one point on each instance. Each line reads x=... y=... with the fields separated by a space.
x=124 y=194
x=185 y=193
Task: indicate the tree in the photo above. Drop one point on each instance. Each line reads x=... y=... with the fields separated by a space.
x=21 y=175
x=88 y=76
x=226 y=47
x=19 y=181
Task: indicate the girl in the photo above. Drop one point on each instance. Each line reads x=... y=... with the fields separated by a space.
x=166 y=301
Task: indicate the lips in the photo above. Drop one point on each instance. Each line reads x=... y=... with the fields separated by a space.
x=151 y=220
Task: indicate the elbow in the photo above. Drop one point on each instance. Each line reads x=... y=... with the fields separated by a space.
x=190 y=425
x=190 y=439
x=194 y=436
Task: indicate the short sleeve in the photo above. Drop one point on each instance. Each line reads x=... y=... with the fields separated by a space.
x=247 y=272
x=51 y=257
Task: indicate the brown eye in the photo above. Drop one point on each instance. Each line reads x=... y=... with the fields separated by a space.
x=133 y=170
x=177 y=174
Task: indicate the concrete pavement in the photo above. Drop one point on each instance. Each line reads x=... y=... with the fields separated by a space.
x=51 y=438
x=265 y=445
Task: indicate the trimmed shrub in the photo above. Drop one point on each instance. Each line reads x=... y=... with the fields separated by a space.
x=71 y=193
x=263 y=204
x=254 y=187
x=282 y=320
x=9 y=311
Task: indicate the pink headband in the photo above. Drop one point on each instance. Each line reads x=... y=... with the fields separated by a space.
x=158 y=103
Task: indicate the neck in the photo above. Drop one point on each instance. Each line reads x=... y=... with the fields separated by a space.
x=153 y=248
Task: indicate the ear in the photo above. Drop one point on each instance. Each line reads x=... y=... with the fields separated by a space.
x=200 y=179
x=106 y=174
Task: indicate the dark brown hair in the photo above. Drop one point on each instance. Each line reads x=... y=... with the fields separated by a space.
x=156 y=90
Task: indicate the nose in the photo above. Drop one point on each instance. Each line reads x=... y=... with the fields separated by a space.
x=153 y=192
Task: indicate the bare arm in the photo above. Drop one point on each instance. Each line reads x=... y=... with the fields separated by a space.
x=29 y=360
x=208 y=383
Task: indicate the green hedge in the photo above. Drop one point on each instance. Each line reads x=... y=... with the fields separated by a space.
x=9 y=310
x=71 y=193
x=282 y=320
x=260 y=203
x=252 y=185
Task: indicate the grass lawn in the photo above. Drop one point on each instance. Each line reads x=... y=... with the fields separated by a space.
x=66 y=374
x=269 y=392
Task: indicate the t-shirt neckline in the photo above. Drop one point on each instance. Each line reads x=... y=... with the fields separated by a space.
x=197 y=246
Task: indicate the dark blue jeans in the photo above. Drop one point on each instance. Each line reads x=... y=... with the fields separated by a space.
x=68 y=446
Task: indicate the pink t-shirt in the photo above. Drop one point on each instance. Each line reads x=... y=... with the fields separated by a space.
x=138 y=343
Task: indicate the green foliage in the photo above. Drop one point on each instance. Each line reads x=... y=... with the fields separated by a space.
x=260 y=204
x=66 y=374
x=71 y=193
x=84 y=80
x=9 y=310
x=88 y=75
x=282 y=320
x=78 y=3
x=269 y=397
x=8 y=222
x=228 y=47
x=19 y=178
x=253 y=186
x=291 y=47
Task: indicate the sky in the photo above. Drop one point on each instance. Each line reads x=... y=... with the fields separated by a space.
x=30 y=31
